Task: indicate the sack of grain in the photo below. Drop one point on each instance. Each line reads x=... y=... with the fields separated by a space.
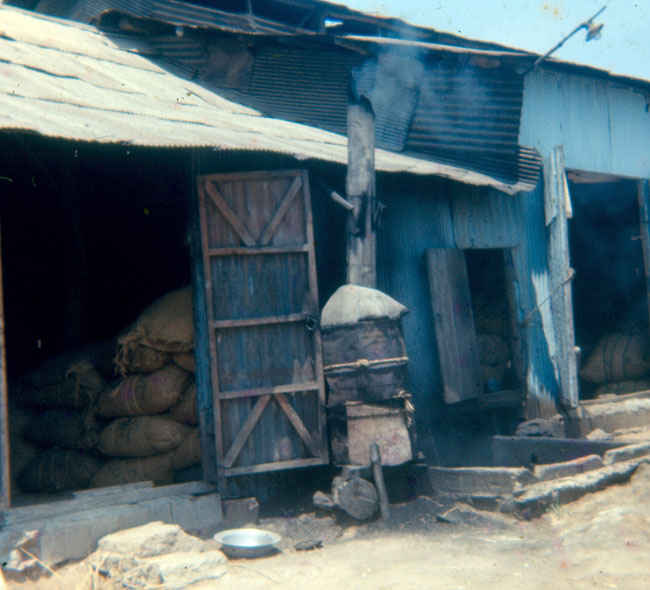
x=493 y=350
x=166 y=325
x=189 y=451
x=490 y=316
x=56 y=470
x=618 y=357
x=59 y=383
x=622 y=387
x=185 y=360
x=69 y=429
x=121 y=471
x=141 y=395
x=140 y=359
x=186 y=410
x=142 y=436
x=22 y=453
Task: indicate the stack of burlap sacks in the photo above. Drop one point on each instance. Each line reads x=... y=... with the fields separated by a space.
x=490 y=317
x=619 y=363
x=141 y=425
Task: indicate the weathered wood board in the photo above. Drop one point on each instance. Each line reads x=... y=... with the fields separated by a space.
x=454 y=324
x=557 y=205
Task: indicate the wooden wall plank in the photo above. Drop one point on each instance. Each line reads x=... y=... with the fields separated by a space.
x=454 y=324
x=555 y=197
x=201 y=337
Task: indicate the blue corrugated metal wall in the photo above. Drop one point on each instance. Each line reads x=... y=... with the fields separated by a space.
x=441 y=214
x=414 y=221
x=603 y=126
x=531 y=269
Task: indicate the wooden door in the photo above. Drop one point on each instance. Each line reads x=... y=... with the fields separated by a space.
x=453 y=321
x=557 y=211
x=262 y=303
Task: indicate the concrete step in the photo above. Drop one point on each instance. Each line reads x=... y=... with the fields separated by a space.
x=529 y=493
x=72 y=528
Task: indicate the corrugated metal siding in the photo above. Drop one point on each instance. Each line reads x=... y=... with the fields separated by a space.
x=531 y=270
x=179 y=13
x=470 y=116
x=603 y=127
x=414 y=221
x=486 y=219
x=305 y=85
x=466 y=116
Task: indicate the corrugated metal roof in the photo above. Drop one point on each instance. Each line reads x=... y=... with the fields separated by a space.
x=444 y=105
x=176 y=12
x=66 y=80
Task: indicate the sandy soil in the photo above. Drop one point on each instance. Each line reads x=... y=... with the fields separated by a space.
x=601 y=541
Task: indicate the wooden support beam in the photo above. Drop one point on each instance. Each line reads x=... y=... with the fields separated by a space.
x=360 y=187
x=644 y=219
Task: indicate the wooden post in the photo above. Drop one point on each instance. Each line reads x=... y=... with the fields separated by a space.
x=557 y=211
x=644 y=217
x=378 y=476
x=360 y=188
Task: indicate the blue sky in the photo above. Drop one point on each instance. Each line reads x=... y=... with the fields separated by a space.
x=536 y=25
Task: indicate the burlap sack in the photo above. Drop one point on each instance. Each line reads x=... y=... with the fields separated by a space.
x=618 y=357
x=141 y=395
x=186 y=410
x=189 y=451
x=141 y=437
x=22 y=454
x=166 y=325
x=58 y=384
x=185 y=360
x=139 y=359
x=623 y=387
x=65 y=428
x=55 y=470
x=121 y=471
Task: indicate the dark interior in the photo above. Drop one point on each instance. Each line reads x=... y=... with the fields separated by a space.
x=609 y=292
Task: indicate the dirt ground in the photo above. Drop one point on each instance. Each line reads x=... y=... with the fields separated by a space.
x=600 y=541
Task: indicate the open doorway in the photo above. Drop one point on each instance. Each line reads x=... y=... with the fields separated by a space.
x=610 y=298
x=91 y=235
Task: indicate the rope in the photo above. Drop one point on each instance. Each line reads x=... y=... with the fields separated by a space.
x=365 y=363
x=530 y=313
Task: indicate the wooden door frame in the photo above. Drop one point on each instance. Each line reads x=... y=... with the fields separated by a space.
x=227 y=457
x=5 y=475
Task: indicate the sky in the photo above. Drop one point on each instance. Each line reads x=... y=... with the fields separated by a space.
x=537 y=25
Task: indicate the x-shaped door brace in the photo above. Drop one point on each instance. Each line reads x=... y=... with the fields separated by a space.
x=240 y=227
x=253 y=419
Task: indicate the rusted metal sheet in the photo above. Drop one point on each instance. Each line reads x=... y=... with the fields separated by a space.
x=470 y=116
x=262 y=298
